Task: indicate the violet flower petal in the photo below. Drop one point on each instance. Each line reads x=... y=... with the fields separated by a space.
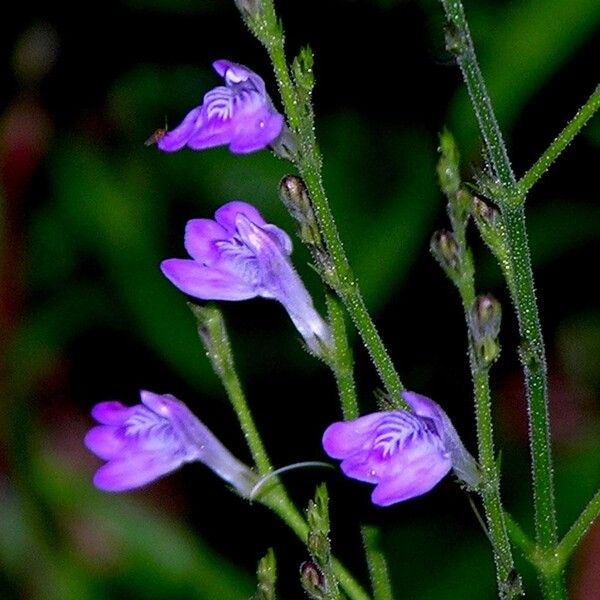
x=110 y=412
x=146 y=441
x=176 y=139
x=239 y=115
x=416 y=480
x=200 y=238
x=135 y=471
x=204 y=282
x=405 y=453
x=226 y=215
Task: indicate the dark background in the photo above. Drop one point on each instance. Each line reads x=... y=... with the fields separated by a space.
x=88 y=212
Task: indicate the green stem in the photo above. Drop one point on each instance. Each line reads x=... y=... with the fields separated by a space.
x=578 y=529
x=534 y=365
x=290 y=515
x=213 y=334
x=308 y=162
x=533 y=358
x=460 y=42
x=342 y=364
x=490 y=487
x=342 y=367
x=564 y=138
x=378 y=569
x=522 y=291
x=521 y=539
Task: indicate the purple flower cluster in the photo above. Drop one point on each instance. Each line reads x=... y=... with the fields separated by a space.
x=144 y=442
x=403 y=453
x=238 y=256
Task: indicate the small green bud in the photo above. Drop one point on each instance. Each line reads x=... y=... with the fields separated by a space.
x=448 y=164
x=445 y=249
x=318 y=545
x=294 y=195
x=486 y=315
x=302 y=68
x=463 y=202
x=266 y=574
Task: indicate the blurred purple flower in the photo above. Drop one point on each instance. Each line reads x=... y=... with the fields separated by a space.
x=404 y=453
x=144 y=442
x=239 y=114
x=239 y=256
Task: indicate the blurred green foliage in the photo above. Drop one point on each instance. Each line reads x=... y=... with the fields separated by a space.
x=101 y=212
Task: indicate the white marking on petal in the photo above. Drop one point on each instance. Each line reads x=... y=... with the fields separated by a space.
x=218 y=103
x=399 y=429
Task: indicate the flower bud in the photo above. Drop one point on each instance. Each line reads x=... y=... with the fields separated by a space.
x=486 y=315
x=294 y=195
x=447 y=167
x=445 y=250
x=313 y=580
x=484 y=214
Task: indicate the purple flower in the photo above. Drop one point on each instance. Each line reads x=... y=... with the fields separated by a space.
x=239 y=256
x=239 y=114
x=144 y=442
x=403 y=453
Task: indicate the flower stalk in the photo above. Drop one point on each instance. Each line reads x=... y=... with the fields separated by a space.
x=510 y=198
x=482 y=316
x=213 y=334
x=296 y=99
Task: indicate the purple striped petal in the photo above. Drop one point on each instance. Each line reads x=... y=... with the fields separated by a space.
x=404 y=453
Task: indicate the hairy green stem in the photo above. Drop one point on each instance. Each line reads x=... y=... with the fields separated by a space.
x=308 y=161
x=378 y=569
x=342 y=367
x=564 y=138
x=342 y=364
x=459 y=41
x=520 y=538
x=213 y=334
x=522 y=291
x=534 y=365
x=572 y=538
x=290 y=515
x=490 y=487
